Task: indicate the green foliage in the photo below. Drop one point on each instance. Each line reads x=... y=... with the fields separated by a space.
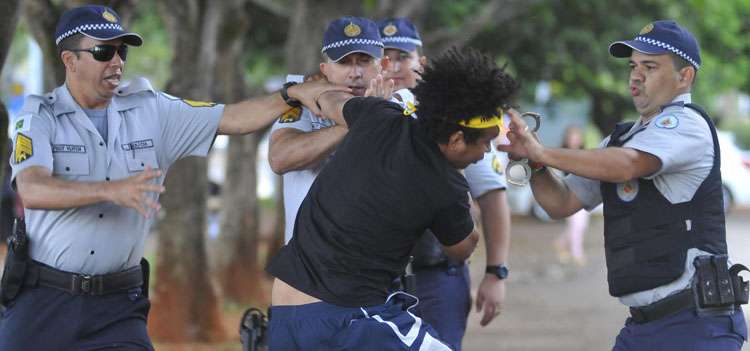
x=741 y=131
x=152 y=59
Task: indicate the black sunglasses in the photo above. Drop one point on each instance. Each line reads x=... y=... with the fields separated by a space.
x=105 y=52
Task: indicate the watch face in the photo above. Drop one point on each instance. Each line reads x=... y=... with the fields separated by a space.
x=500 y=271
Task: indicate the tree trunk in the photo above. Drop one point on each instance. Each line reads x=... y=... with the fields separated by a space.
x=185 y=307
x=239 y=272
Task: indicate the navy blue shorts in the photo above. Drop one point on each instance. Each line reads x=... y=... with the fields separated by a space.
x=323 y=326
x=49 y=319
x=445 y=301
x=684 y=331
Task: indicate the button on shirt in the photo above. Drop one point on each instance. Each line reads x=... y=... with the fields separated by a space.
x=146 y=128
x=685 y=147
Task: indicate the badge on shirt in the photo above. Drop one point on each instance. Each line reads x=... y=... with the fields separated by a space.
x=194 y=103
x=191 y=103
x=290 y=116
x=627 y=191
x=497 y=165
x=23 y=148
x=22 y=124
x=667 y=122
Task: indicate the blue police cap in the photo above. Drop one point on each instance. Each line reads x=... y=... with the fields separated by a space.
x=96 y=22
x=399 y=33
x=348 y=35
x=661 y=37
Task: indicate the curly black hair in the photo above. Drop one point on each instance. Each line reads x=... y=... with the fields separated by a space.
x=460 y=84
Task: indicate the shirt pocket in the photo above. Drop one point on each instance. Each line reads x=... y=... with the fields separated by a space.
x=137 y=160
x=70 y=164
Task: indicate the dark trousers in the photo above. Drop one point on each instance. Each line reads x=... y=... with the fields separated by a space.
x=49 y=319
x=445 y=300
x=684 y=331
x=323 y=326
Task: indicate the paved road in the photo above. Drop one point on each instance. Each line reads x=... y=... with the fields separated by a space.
x=550 y=306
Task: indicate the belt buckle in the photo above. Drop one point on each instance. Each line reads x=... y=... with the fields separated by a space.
x=81 y=284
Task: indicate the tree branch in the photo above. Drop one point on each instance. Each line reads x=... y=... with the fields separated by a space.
x=277 y=7
x=492 y=11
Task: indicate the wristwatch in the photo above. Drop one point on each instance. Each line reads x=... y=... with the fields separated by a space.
x=500 y=271
x=289 y=101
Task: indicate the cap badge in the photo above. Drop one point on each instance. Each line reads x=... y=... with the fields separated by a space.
x=352 y=30
x=109 y=16
x=390 y=30
x=647 y=29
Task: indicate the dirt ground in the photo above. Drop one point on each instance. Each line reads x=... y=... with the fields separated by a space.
x=557 y=307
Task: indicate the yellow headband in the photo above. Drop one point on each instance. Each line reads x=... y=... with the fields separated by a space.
x=481 y=122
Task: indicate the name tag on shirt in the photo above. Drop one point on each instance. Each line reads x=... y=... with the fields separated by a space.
x=70 y=149
x=138 y=145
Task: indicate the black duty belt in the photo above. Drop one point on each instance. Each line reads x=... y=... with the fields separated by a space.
x=81 y=284
x=667 y=306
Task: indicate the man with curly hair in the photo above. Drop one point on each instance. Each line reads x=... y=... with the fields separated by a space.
x=362 y=215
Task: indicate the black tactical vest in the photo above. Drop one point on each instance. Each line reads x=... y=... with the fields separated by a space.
x=646 y=238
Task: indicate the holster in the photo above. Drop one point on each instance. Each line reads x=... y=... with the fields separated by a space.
x=716 y=286
x=16 y=264
x=146 y=270
x=253 y=327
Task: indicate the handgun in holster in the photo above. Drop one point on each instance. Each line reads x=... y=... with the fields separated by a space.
x=16 y=263
x=253 y=328
x=718 y=287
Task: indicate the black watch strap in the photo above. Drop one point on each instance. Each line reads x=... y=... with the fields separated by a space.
x=500 y=271
x=284 y=95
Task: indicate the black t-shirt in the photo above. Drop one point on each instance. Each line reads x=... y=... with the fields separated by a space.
x=386 y=184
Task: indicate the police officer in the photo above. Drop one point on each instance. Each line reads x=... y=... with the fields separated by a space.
x=442 y=284
x=89 y=161
x=660 y=181
x=301 y=142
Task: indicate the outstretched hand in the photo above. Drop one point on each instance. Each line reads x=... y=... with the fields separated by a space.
x=134 y=192
x=523 y=142
x=380 y=87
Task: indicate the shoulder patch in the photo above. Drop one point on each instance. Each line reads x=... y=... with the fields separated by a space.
x=193 y=103
x=497 y=165
x=667 y=122
x=22 y=124
x=23 y=148
x=290 y=116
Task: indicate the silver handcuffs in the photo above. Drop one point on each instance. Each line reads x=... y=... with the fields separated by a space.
x=518 y=172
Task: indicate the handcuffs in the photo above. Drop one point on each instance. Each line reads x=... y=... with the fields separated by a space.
x=518 y=172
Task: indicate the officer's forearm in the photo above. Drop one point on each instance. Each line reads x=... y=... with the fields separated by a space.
x=496 y=225
x=251 y=115
x=612 y=164
x=38 y=189
x=291 y=149
x=553 y=195
x=462 y=250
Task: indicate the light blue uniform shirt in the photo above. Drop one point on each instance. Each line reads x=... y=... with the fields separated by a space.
x=145 y=128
